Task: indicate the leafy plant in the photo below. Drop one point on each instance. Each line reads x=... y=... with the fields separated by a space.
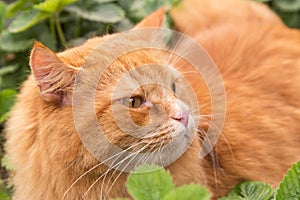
x=155 y=183
x=250 y=190
x=289 y=188
x=288 y=10
x=7 y=98
x=4 y=194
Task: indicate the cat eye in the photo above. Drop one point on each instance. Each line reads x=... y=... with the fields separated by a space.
x=133 y=102
x=173 y=87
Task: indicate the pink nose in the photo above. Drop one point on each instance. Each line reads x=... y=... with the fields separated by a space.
x=182 y=117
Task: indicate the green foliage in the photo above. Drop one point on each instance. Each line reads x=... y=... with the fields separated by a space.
x=5 y=163
x=289 y=188
x=92 y=10
x=288 y=10
x=149 y=183
x=7 y=98
x=250 y=190
x=188 y=192
x=26 y=20
x=2 y=15
x=4 y=194
x=154 y=183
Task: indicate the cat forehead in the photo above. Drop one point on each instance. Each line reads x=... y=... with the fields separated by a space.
x=146 y=78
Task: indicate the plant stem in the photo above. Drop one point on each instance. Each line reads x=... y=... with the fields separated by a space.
x=52 y=27
x=77 y=27
x=59 y=30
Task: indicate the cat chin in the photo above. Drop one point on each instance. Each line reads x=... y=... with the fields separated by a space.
x=183 y=136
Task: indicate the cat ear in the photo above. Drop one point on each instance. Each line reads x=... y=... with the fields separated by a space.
x=154 y=20
x=53 y=77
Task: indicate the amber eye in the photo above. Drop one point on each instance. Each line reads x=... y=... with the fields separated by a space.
x=173 y=87
x=133 y=102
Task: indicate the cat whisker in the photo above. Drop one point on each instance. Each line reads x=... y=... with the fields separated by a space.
x=221 y=135
x=121 y=171
x=214 y=156
x=208 y=115
x=181 y=53
x=94 y=167
x=214 y=160
x=173 y=49
x=102 y=185
x=199 y=108
x=94 y=183
x=159 y=153
x=70 y=165
x=187 y=72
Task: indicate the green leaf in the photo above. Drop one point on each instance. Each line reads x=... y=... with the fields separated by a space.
x=13 y=80
x=12 y=42
x=123 y=25
x=64 y=3
x=292 y=19
x=48 y=6
x=8 y=69
x=137 y=10
x=52 y=6
x=104 y=1
x=2 y=15
x=3 y=117
x=5 y=163
x=188 y=192
x=16 y=7
x=289 y=188
x=149 y=183
x=26 y=20
x=3 y=192
x=287 y=5
x=7 y=99
x=107 y=13
x=250 y=190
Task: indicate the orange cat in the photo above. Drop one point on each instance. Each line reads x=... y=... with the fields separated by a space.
x=258 y=58
x=259 y=63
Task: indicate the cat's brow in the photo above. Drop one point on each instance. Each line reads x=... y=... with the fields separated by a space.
x=126 y=94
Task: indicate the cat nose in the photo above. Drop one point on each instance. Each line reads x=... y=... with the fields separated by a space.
x=182 y=117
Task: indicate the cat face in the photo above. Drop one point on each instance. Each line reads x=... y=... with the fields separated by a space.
x=138 y=110
x=136 y=98
x=144 y=110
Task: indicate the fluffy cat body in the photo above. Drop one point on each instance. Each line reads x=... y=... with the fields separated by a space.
x=259 y=62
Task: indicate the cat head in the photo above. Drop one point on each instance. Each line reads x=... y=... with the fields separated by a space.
x=133 y=101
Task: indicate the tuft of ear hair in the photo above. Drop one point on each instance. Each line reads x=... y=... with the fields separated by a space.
x=154 y=20
x=54 y=78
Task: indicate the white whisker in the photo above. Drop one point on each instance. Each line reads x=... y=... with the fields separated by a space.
x=135 y=154
x=94 y=167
